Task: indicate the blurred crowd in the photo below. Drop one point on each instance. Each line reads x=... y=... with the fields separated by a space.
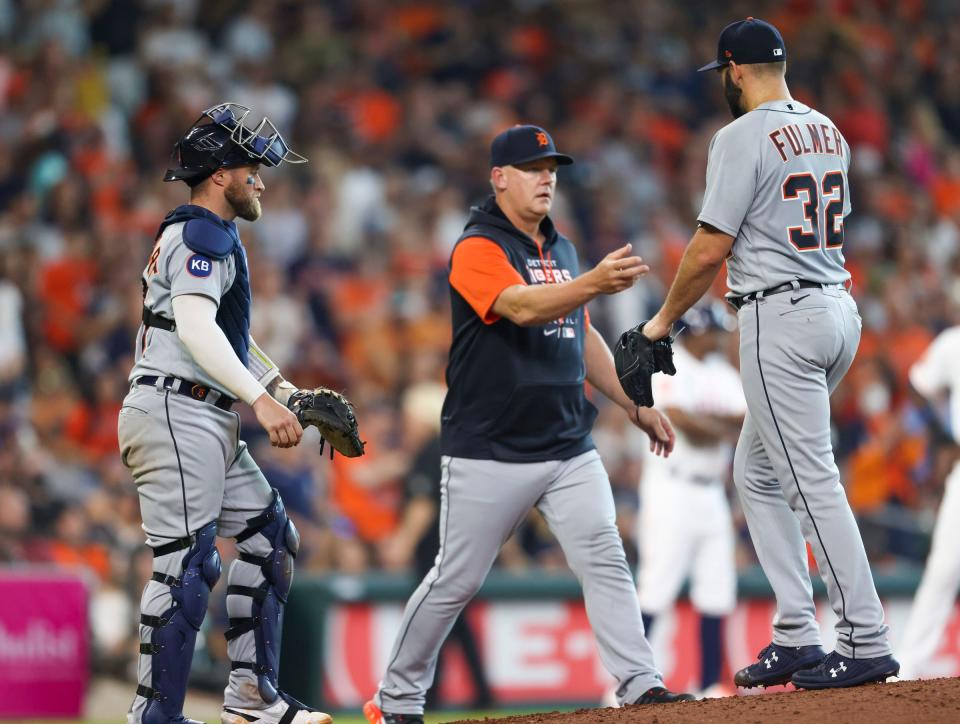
x=395 y=103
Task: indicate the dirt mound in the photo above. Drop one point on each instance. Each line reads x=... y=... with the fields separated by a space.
x=934 y=701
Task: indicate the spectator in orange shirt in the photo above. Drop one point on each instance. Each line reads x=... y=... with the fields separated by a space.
x=71 y=546
x=91 y=426
x=65 y=289
x=365 y=491
x=946 y=185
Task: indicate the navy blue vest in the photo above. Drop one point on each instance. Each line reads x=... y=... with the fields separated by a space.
x=516 y=393
x=206 y=233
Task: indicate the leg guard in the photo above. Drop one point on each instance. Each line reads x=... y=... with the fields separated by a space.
x=167 y=639
x=259 y=583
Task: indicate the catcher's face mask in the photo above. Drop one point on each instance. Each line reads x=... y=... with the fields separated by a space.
x=221 y=138
x=263 y=142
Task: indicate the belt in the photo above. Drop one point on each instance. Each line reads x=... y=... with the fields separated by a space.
x=188 y=389
x=738 y=302
x=150 y=319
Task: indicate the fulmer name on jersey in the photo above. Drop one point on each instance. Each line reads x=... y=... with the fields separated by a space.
x=806 y=138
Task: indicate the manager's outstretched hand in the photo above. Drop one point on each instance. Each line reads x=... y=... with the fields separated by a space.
x=617 y=271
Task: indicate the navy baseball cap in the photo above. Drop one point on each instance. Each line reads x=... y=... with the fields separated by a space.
x=746 y=42
x=521 y=144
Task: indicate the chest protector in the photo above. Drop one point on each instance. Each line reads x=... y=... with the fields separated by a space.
x=206 y=233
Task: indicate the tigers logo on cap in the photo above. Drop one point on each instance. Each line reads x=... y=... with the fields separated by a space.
x=746 y=42
x=522 y=144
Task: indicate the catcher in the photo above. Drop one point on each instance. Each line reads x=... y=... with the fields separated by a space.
x=178 y=436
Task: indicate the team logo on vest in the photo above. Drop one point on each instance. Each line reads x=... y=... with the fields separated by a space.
x=546 y=271
x=199 y=265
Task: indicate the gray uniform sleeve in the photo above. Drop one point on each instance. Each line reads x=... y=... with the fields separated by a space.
x=193 y=273
x=732 y=173
x=847 y=206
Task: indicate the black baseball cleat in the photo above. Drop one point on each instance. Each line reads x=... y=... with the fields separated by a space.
x=776 y=664
x=659 y=695
x=837 y=671
x=374 y=715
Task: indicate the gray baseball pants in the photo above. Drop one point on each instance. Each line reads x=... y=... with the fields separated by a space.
x=795 y=347
x=190 y=468
x=482 y=503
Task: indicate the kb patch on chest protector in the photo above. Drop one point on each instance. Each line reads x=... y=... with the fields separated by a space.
x=199 y=266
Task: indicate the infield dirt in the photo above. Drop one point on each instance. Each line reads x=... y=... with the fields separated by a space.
x=935 y=701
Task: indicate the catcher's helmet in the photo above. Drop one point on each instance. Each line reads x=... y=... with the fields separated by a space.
x=221 y=139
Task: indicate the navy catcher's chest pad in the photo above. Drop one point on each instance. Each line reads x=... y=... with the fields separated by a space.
x=233 y=315
x=206 y=233
x=203 y=231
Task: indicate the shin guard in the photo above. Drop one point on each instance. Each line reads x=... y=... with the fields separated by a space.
x=168 y=639
x=263 y=574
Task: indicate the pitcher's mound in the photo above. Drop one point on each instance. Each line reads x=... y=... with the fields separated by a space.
x=934 y=701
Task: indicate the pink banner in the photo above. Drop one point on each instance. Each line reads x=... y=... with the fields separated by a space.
x=44 y=663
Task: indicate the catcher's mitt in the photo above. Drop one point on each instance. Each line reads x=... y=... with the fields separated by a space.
x=637 y=359
x=332 y=414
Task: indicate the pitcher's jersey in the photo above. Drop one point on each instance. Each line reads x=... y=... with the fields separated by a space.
x=710 y=386
x=777 y=183
x=937 y=371
x=174 y=269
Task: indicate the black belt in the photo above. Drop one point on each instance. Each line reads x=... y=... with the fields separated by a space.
x=188 y=389
x=738 y=302
x=150 y=319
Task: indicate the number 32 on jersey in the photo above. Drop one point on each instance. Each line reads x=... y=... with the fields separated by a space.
x=806 y=188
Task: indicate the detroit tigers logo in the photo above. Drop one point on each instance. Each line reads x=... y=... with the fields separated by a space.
x=200 y=266
x=542 y=139
x=546 y=271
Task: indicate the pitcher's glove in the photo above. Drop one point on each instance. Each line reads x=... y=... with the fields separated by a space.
x=332 y=414
x=637 y=359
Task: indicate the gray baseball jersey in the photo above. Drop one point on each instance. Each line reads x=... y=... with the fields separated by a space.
x=777 y=183
x=174 y=269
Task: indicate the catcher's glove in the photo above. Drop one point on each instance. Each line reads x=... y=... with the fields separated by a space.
x=637 y=359
x=332 y=414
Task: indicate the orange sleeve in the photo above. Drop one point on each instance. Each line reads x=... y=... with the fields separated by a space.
x=586 y=318
x=480 y=271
